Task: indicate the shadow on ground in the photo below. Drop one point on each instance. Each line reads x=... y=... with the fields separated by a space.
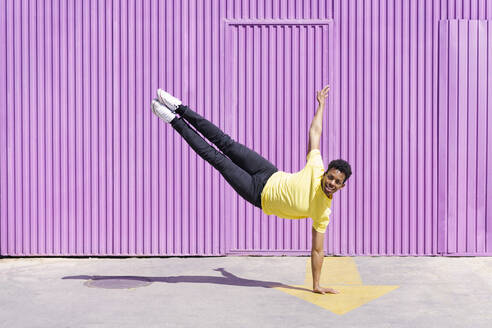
x=140 y=281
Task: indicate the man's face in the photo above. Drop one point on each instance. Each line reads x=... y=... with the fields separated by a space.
x=332 y=181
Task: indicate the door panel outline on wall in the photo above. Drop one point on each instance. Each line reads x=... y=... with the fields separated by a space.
x=460 y=52
x=229 y=101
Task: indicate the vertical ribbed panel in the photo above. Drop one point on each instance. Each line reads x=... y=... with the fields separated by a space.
x=85 y=168
x=383 y=121
x=273 y=67
x=386 y=113
x=465 y=137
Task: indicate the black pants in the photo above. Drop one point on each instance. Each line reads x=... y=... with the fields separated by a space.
x=244 y=169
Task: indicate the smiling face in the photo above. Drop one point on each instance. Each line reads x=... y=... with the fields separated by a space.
x=332 y=181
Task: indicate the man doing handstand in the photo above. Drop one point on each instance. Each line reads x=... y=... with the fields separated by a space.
x=307 y=193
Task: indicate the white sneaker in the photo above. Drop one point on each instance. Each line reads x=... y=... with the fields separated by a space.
x=162 y=111
x=169 y=101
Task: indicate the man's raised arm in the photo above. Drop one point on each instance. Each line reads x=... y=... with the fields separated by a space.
x=317 y=123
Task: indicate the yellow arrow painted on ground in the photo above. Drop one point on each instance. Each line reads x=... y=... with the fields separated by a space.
x=339 y=273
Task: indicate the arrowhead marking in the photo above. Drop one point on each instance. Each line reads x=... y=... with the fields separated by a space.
x=341 y=274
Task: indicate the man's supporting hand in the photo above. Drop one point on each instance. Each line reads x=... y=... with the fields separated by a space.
x=322 y=290
x=316 y=265
x=317 y=255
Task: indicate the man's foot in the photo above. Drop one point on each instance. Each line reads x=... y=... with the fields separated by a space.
x=169 y=101
x=162 y=111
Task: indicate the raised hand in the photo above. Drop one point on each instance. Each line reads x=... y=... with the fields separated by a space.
x=321 y=95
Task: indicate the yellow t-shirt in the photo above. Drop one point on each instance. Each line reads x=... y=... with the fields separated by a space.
x=299 y=195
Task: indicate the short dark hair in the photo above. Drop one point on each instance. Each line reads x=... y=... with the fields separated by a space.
x=341 y=166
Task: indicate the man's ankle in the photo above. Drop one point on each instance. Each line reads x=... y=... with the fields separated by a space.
x=181 y=109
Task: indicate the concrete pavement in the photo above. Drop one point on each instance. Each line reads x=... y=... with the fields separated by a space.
x=245 y=292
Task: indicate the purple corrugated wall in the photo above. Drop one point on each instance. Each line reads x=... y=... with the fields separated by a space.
x=86 y=169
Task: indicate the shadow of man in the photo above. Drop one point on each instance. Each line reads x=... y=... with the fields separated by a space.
x=226 y=279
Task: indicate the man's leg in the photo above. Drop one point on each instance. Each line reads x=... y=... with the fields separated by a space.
x=240 y=180
x=247 y=159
